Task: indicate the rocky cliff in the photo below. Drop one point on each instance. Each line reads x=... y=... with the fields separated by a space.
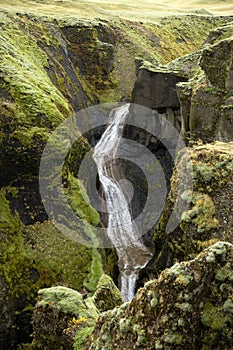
x=197 y=88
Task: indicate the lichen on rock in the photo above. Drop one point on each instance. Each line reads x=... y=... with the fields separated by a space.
x=192 y=309
x=208 y=216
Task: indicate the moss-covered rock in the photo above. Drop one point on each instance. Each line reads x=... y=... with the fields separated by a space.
x=33 y=257
x=216 y=61
x=107 y=295
x=209 y=216
x=207 y=108
x=61 y=315
x=197 y=86
x=63 y=318
x=188 y=306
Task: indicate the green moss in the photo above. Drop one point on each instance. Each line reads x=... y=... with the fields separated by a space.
x=57 y=258
x=185 y=307
x=173 y=338
x=61 y=298
x=81 y=337
x=181 y=322
x=27 y=137
x=154 y=302
x=158 y=345
x=79 y=201
x=15 y=261
x=213 y=317
x=24 y=66
x=217 y=250
x=228 y=306
x=96 y=271
x=224 y=273
x=182 y=277
x=202 y=213
x=124 y=325
x=8 y=221
x=141 y=340
x=205 y=171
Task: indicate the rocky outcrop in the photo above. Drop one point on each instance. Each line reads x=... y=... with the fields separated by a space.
x=59 y=314
x=107 y=295
x=63 y=318
x=210 y=95
x=208 y=216
x=189 y=306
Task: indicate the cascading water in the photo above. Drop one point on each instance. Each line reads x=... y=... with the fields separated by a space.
x=133 y=255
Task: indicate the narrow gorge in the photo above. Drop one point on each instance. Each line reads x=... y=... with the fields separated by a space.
x=150 y=289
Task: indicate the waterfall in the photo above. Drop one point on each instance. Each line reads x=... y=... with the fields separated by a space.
x=133 y=255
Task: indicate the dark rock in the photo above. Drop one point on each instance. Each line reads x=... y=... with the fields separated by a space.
x=217 y=62
x=156 y=88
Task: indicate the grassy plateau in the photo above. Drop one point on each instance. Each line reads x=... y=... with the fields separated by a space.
x=146 y=10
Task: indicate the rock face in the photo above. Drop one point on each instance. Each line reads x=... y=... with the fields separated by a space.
x=210 y=98
x=156 y=88
x=189 y=306
x=216 y=61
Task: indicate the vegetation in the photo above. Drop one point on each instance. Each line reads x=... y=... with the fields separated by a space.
x=58 y=57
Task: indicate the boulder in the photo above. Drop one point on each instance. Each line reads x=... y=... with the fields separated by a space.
x=107 y=295
x=61 y=314
x=63 y=318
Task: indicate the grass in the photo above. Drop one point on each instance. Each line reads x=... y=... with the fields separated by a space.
x=146 y=10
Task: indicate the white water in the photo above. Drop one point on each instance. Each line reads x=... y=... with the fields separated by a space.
x=132 y=253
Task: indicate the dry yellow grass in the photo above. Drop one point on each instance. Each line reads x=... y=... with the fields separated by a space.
x=146 y=10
